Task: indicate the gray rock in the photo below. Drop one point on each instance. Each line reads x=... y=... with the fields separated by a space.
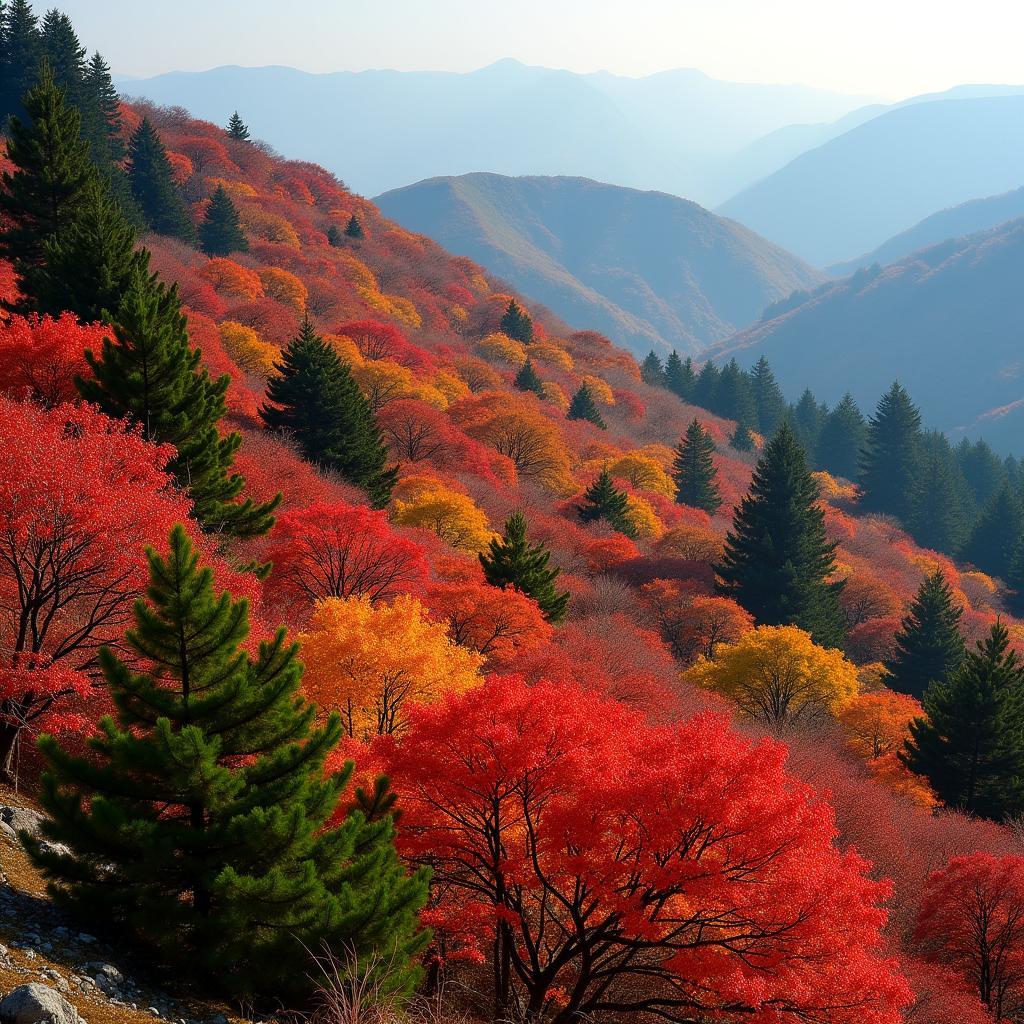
x=37 y=1004
x=7 y=832
x=19 y=818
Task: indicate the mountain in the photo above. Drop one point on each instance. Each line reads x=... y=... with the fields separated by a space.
x=648 y=269
x=947 y=322
x=674 y=131
x=965 y=219
x=853 y=192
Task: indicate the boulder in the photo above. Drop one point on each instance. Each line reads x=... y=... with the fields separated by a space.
x=19 y=818
x=37 y=1004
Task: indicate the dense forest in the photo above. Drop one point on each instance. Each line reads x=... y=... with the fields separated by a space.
x=351 y=602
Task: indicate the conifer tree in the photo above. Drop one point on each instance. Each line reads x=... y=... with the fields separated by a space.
x=679 y=376
x=807 y=418
x=527 y=379
x=583 y=407
x=936 y=520
x=970 y=744
x=842 y=438
x=694 y=472
x=199 y=825
x=603 y=500
x=221 y=231
x=150 y=374
x=928 y=647
x=733 y=398
x=705 y=386
x=769 y=403
x=152 y=184
x=19 y=57
x=741 y=439
x=315 y=399
x=652 y=372
x=335 y=236
x=512 y=561
x=891 y=458
x=983 y=471
x=777 y=559
x=101 y=114
x=237 y=129
x=997 y=533
x=65 y=55
x=517 y=323
x=353 y=229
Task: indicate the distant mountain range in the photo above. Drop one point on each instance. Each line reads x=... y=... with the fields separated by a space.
x=948 y=322
x=648 y=269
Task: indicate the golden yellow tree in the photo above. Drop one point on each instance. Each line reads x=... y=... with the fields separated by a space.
x=248 y=349
x=285 y=287
x=425 y=502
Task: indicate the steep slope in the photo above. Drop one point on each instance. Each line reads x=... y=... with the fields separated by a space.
x=855 y=191
x=648 y=269
x=947 y=322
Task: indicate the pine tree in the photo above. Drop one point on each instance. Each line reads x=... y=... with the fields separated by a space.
x=335 y=236
x=19 y=58
x=982 y=469
x=694 y=472
x=741 y=439
x=221 y=231
x=354 y=229
x=970 y=744
x=997 y=534
x=315 y=399
x=527 y=379
x=842 y=438
x=583 y=407
x=705 y=386
x=936 y=519
x=603 y=500
x=512 y=561
x=652 y=372
x=679 y=376
x=152 y=184
x=60 y=48
x=769 y=403
x=101 y=115
x=237 y=128
x=150 y=374
x=928 y=647
x=200 y=823
x=517 y=323
x=777 y=559
x=891 y=458
x=807 y=420
x=733 y=398
x=44 y=194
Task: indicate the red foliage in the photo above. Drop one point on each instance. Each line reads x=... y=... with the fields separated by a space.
x=376 y=340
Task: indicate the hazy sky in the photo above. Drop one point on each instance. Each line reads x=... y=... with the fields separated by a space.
x=890 y=48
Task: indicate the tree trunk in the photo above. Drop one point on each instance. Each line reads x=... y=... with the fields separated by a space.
x=10 y=733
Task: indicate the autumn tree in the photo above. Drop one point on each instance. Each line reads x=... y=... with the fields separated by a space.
x=692 y=624
x=516 y=323
x=221 y=231
x=429 y=504
x=602 y=500
x=890 y=460
x=197 y=823
x=40 y=357
x=237 y=128
x=153 y=187
x=877 y=724
x=693 y=470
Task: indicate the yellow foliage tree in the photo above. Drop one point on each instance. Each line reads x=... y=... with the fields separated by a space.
x=500 y=348
x=346 y=348
x=285 y=287
x=384 y=380
x=642 y=517
x=599 y=389
x=369 y=661
x=270 y=227
x=248 y=349
x=425 y=502
x=642 y=472
x=691 y=542
x=236 y=189
x=549 y=354
x=555 y=395
x=877 y=723
x=778 y=675
x=451 y=385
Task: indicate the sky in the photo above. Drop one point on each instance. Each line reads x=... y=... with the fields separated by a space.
x=883 y=48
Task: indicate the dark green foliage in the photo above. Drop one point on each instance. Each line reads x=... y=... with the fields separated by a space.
x=928 y=646
x=651 y=370
x=733 y=398
x=237 y=128
x=970 y=744
x=997 y=534
x=936 y=517
x=513 y=562
x=353 y=229
x=777 y=557
x=152 y=184
x=807 y=419
x=335 y=236
x=198 y=825
x=221 y=231
x=705 y=386
x=149 y=374
x=842 y=438
x=19 y=57
x=60 y=48
x=891 y=458
x=769 y=403
x=983 y=471
x=315 y=399
x=694 y=472
x=527 y=379
x=679 y=376
x=603 y=500
x=517 y=323
x=583 y=407
x=101 y=115
x=742 y=440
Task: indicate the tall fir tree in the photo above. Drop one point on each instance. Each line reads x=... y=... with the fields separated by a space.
x=983 y=470
x=928 y=647
x=970 y=743
x=512 y=561
x=315 y=399
x=60 y=48
x=19 y=58
x=694 y=472
x=527 y=379
x=652 y=371
x=891 y=459
x=517 y=323
x=807 y=419
x=936 y=517
x=742 y=440
x=705 y=386
x=221 y=231
x=149 y=374
x=602 y=500
x=997 y=534
x=583 y=407
x=101 y=114
x=778 y=560
x=679 y=376
x=200 y=822
x=733 y=397
x=152 y=185
x=353 y=229
x=843 y=436
x=769 y=403
x=237 y=129
x=335 y=236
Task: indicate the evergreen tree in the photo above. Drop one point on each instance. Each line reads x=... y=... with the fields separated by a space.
x=891 y=458
x=842 y=438
x=152 y=184
x=807 y=420
x=936 y=519
x=200 y=823
x=928 y=646
x=237 y=128
x=777 y=558
x=517 y=323
x=150 y=374
x=705 y=386
x=694 y=472
x=354 y=229
x=742 y=440
x=652 y=372
x=43 y=196
x=221 y=231
x=101 y=114
x=583 y=407
x=996 y=536
x=513 y=562
x=603 y=500
x=970 y=744
x=60 y=48
x=679 y=376
x=315 y=399
x=769 y=404
x=335 y=236
x=733 y=398
x=527 y=379
x=983 y=471
x=19 y=58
